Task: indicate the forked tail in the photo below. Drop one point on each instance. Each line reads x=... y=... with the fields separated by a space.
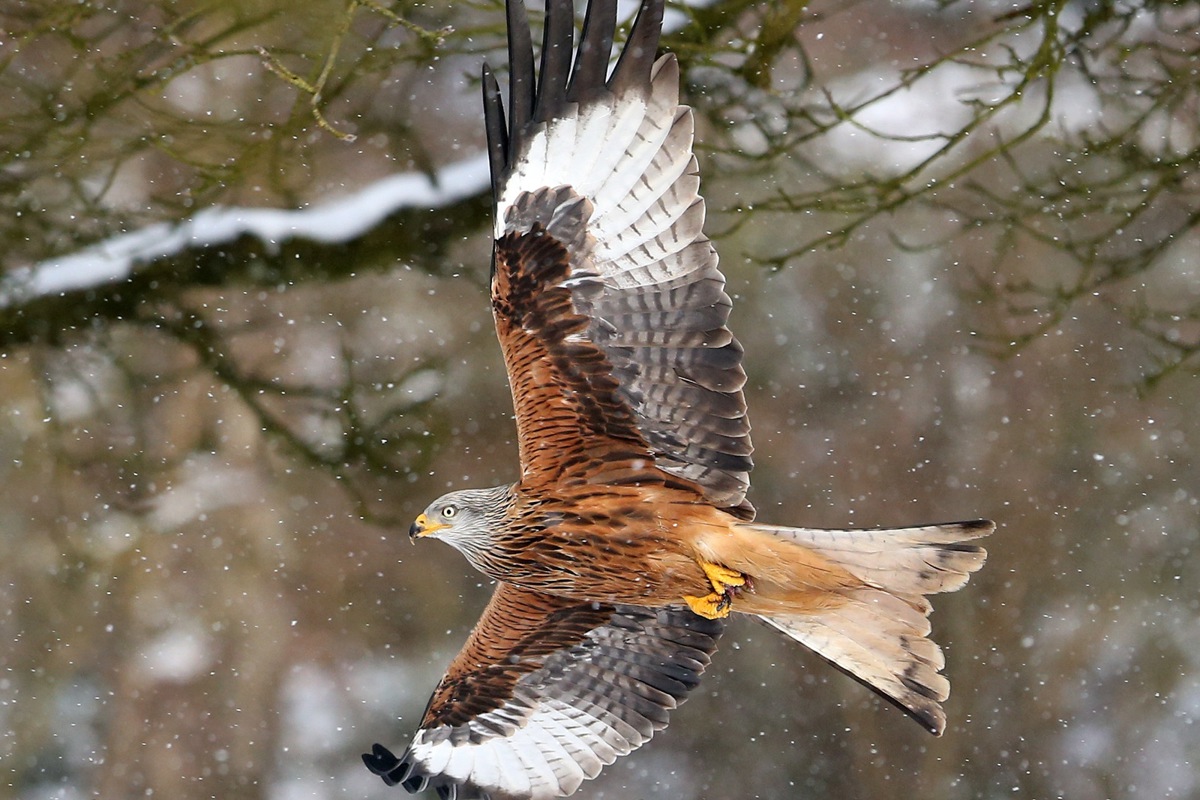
x=877 y=632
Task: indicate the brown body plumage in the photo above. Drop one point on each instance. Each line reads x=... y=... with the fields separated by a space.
x=628 y=538
x=581 y=542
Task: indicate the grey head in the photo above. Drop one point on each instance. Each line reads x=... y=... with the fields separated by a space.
x=467 y=519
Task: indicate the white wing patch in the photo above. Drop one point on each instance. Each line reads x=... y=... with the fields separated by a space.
x=631 y=157
x=558 y=744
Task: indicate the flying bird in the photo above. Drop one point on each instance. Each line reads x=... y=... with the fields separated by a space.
x=629 y=540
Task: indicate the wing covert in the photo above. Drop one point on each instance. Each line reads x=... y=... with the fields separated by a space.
x=629 y=357
x=546 y=692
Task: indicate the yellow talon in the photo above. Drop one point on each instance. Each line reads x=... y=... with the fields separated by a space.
x=722 y=577
x=713 y=606
x=725 y=582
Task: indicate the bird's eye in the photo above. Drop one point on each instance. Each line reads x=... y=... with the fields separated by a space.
x=449 y=511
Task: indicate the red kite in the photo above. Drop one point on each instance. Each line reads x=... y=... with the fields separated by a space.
x=628 y=539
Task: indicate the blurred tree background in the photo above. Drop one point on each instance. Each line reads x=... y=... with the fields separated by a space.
x=964 y=243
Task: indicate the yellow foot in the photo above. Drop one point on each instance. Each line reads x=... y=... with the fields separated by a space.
x=722 y=578
x=726 y=584
x=713 y=606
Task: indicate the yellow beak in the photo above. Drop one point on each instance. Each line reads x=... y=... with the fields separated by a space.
x=422 y=527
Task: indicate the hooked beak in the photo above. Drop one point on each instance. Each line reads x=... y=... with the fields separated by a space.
x=422 y=527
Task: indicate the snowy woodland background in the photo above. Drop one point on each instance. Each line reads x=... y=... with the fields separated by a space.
x=244 y=339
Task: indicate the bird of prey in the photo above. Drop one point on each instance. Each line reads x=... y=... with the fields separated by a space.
x=628 y=539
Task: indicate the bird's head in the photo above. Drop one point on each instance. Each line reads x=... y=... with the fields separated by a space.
x=466 y=519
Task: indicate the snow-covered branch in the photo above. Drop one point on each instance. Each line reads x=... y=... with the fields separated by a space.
x=342 y=220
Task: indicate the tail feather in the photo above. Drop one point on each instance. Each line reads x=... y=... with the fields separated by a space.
x=878 y=632
x=924 y=560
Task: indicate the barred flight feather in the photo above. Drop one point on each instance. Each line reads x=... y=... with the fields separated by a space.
x=607 y=681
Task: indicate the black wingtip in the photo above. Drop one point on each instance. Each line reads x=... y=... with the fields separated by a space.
x=557 y=43
x=637 y=57
x=595 y=47
x=384 y=763
x=497 y=133
x=521 y=79
x=539 y=95
x=417 y=783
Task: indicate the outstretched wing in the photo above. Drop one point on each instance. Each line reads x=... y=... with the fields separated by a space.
x=608 y=302
x=546 y=692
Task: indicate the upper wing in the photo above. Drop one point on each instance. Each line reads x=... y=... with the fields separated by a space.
x=608 y=302
x=547 y=691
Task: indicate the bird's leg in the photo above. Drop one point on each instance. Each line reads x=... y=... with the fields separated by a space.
x=725 y=583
